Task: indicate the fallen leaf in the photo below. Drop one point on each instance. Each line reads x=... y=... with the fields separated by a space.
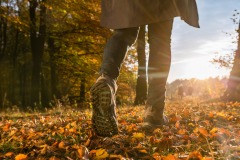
x=61 y=145
x=196 y=155
x=21 y=157
x=138 y=135
x=177 y=124
x=156 y=156
x=143 y=151
x=9 y=154
x=182 y=131
x=83 y=152
x=214 y=130
x=54 y=158
x=101 y=153
x=170 y=157
x=207 y=158
x=6 y=127
x=203 y=131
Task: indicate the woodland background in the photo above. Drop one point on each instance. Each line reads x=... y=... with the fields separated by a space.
x=51 y=50
x=50 y=53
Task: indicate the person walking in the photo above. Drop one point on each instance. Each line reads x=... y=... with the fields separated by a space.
x=125 y=17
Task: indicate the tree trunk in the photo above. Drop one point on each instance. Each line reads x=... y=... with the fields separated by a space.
x=141 y=87
x=233 y=91
x=13 y=85
x=3 y=36
x=82 y=89
x=54 y=80
x=37 y=46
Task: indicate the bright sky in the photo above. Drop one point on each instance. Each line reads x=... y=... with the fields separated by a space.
x=193 y=48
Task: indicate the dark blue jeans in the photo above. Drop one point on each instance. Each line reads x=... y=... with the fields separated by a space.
x=159 y=37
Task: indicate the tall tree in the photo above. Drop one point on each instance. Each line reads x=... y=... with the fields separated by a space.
x=37 y=37
x=233 y=91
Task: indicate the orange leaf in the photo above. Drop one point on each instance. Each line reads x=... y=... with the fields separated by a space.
x=61 y=145
x=9 y=154
x=73 y=130
x=182 y=131
x=203 y=131
x=6 y=127
x=186 y=113
x=21 y=157
x=139 y=119
x=224 y=131
x=55 y=144
x=143 y=151
x=211 y=115
x=115 y=157
x=54 y=158
x=87 y=143
x=170 y=157
x=61 y=130
x=156 y=156
x=177 y=124
x=195 y=155
x=207 y=158
x=83 y=152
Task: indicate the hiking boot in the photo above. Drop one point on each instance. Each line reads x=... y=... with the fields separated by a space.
x=153 y=118
x=104 y=118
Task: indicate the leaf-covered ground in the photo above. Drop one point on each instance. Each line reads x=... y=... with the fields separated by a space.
x=196 y=132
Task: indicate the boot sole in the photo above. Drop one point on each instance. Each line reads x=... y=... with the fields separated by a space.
x=103 y=121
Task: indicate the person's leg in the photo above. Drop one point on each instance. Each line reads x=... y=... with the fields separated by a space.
x=103 y=91
x=116 y=49
x=158 y=68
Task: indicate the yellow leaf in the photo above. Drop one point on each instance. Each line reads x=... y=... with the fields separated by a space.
x=21 y=157
x=72 y=130
x=207 y=158
x=61 y=130
x=101 y=153
x=13 y=132
x=61 y=145
x=214 y=130
x=116 y=157
x=74 y=124
x=138 y=135
x=67 y=126
x=9 y=154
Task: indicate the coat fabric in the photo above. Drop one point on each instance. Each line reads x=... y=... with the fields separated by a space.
x=118 y=14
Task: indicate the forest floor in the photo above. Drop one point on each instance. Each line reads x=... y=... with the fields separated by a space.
x=197 y=131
